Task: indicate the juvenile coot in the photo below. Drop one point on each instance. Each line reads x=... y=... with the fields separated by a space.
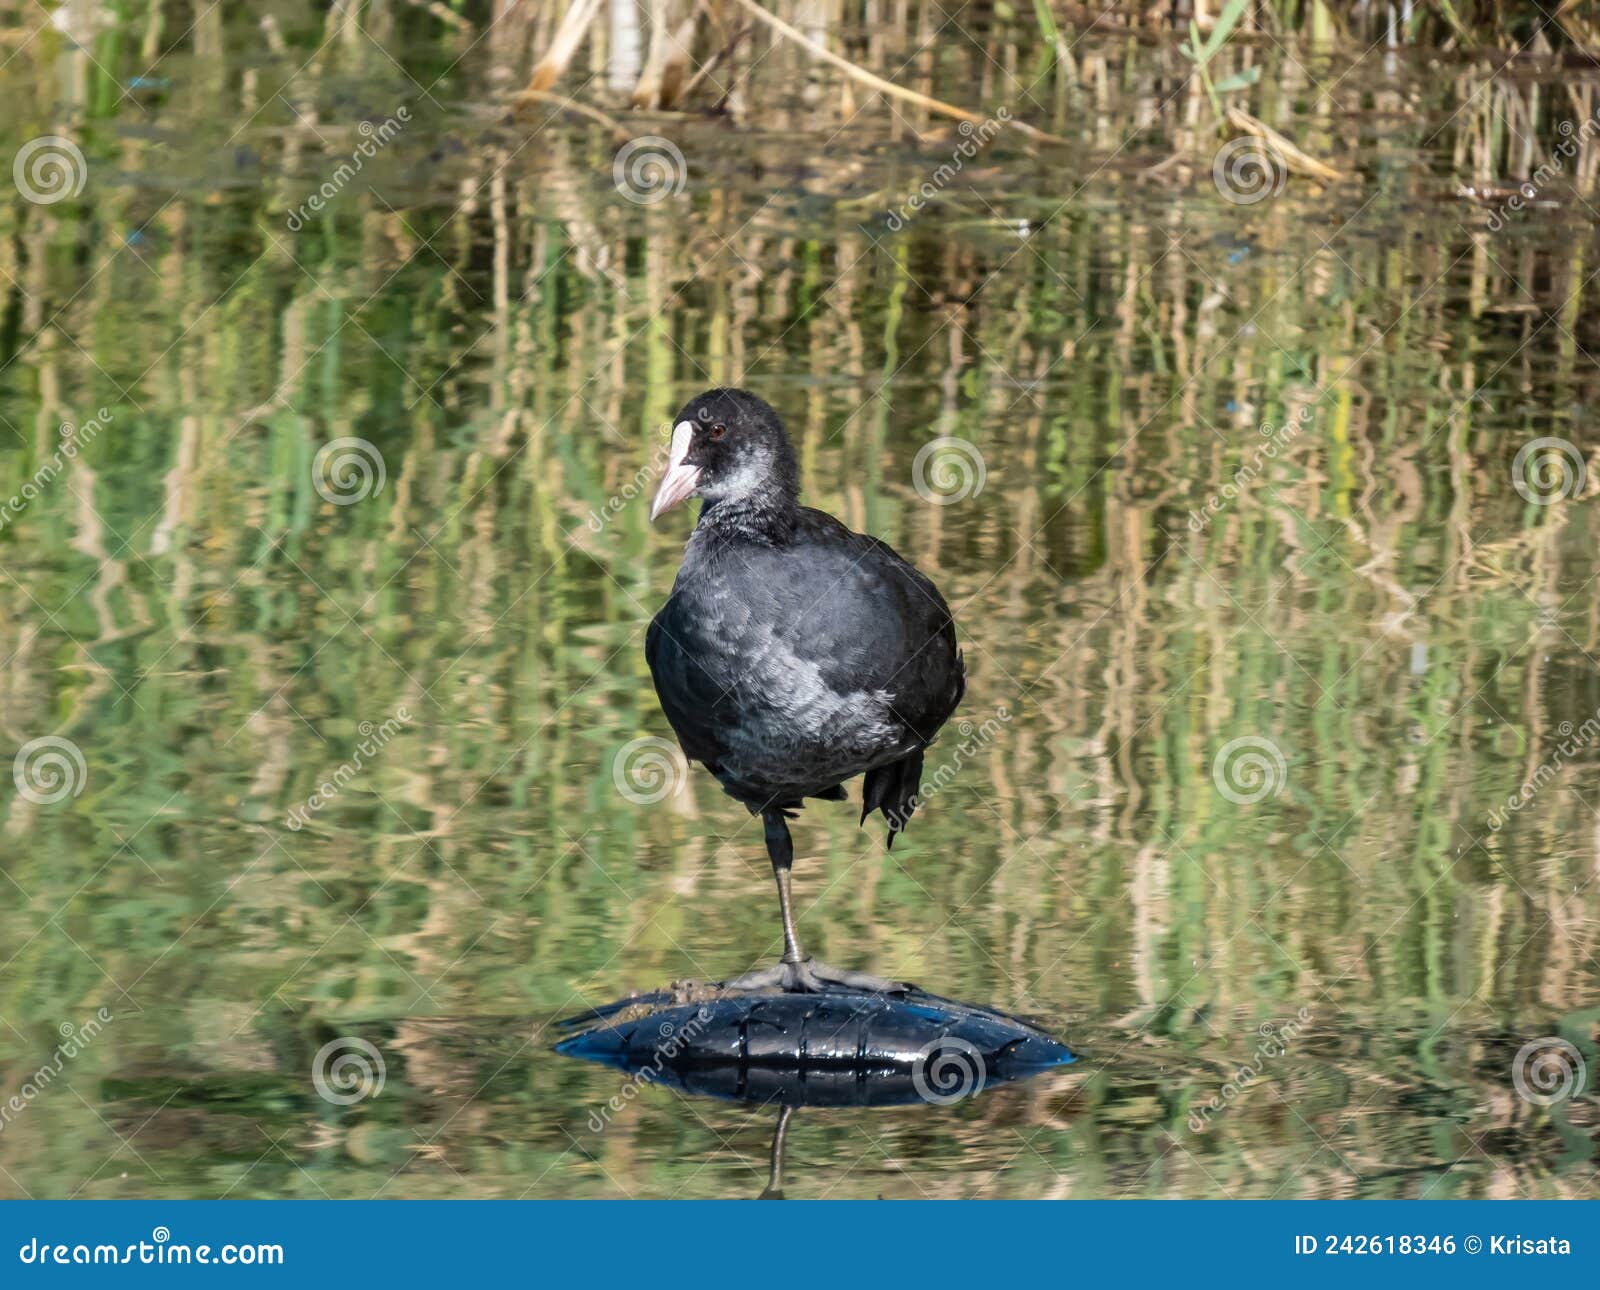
x=793 y=653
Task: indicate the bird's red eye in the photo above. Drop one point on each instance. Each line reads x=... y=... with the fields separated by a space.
x=717 y=431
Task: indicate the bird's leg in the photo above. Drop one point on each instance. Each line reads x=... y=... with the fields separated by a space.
x=780 y=849
x=780 y=1136
x=795 y=971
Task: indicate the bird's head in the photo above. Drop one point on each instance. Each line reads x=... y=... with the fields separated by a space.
x=728 y=446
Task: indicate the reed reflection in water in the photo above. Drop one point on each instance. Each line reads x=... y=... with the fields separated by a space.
x=1269 y=613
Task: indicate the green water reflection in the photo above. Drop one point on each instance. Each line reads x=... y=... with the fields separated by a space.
x=1247 y=474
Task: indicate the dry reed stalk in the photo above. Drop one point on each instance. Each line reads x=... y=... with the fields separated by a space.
x=1292 y=156
x=569 y=35
x=676 y=66
x=647 y=88
x=710 y=65
x=878 y=83
x=449 y=17
x=661 y=81
x=530 y=96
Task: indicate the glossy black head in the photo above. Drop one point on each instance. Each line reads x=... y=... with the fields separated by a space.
x=728 y=446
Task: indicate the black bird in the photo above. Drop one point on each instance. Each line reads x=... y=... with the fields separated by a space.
x=793 y=653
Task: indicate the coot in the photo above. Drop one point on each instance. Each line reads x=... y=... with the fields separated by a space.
x=793 y=654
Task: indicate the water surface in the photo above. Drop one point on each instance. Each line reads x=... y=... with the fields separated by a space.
x=1262 y=635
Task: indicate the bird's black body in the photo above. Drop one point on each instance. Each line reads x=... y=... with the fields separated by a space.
x=793 y=653
x=788 y=667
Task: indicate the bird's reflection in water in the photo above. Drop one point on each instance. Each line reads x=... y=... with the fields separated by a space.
x=838 y=1048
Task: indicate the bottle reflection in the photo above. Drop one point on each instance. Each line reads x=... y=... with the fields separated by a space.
x=838 y=1048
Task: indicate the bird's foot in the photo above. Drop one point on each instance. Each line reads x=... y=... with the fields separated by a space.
x=826 y=975
x=810 y=977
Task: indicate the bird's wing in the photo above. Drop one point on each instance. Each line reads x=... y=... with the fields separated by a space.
x=693 y=702
x=871 y=621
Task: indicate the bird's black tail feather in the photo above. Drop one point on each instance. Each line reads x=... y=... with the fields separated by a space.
x=893 y=789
